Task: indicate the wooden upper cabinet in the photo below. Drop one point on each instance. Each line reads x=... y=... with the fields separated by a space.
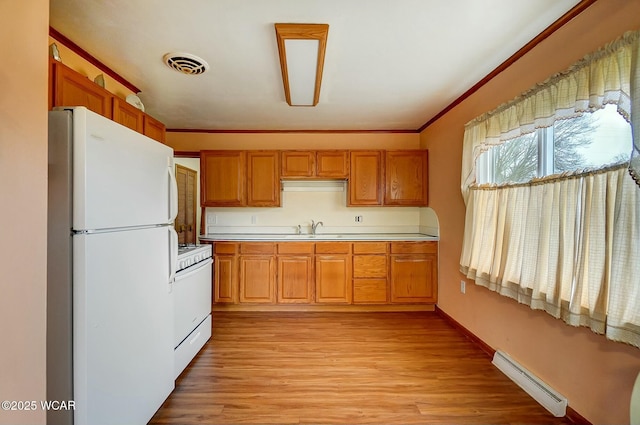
x=298 y=164
x=332 y=164
x=263 y=179
x=365 y=178
x=406 y=178
x=67 y=87
x=153 y=128
x=223 y=178
x=314 y=164
x=127 y=114
x=73 y=89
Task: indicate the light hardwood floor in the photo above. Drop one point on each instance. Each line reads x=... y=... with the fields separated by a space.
x=344 y=368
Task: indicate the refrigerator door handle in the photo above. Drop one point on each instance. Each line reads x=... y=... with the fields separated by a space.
x=173 y=254
x=173 y=194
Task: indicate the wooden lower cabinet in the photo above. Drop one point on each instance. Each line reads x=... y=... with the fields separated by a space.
x=257 y=273
x=413 y=272
x=295 y=273
x=225 y=273
x=333 y=273
x=339 y=273
x=257 y=279
x=333 y=279
x=295 y=276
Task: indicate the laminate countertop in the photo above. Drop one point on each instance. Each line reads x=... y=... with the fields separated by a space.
x=263 y=237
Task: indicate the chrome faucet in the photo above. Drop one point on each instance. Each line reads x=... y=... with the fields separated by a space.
x=314 y=226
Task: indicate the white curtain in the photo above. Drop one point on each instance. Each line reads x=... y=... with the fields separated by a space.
x=567 y=244
x=610 y=75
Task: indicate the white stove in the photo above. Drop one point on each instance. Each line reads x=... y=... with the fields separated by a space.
x=189 y=255
x=192 y=303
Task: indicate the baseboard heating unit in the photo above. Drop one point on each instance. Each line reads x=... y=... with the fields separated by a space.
x=541 y=392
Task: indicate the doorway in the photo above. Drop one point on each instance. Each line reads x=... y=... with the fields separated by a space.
x=185 y=223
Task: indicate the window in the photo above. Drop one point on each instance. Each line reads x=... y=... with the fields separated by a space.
x=557 y=228
x=590 y=141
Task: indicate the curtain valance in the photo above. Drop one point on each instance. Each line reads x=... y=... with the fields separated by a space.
x=609 y=76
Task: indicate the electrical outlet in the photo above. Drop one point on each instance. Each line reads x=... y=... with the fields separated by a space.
x=212 y=219
x=358 y=219
x=463 y=286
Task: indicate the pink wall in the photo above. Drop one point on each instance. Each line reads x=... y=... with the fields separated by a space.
x=596 y=375
x=23 y=176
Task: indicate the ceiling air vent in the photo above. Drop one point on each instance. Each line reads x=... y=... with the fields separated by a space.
x=186 y=63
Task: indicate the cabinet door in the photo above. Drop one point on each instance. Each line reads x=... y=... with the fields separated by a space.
x=365 y=178
x=333 y=279
x=263 y=179
x=225 y=279
x=332 y=164
x=406 y=180
x=154 y=128
x=74 y=89
x=295 y=280
x=127 y=115
x=222 y=178
x=297 y=164
x=257 y=279
x=414 y=278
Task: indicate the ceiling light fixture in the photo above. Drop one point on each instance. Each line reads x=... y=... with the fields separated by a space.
x=301 y=48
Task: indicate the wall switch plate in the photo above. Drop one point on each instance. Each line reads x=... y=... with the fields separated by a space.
x=463 y=286
x=358 y=219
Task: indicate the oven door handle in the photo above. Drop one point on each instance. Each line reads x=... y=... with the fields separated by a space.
x=193 y=269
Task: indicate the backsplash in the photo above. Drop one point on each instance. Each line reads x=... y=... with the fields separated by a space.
x=300 y=207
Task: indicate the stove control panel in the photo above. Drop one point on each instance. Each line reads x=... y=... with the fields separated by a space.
x=193 y=254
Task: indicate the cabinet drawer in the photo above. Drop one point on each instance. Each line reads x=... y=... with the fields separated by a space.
x=257 y=248
x=414 y=247
x=370 y=247
x=225 y=248
x=295 y=248
x=370 y=266
x=333 y=248
x=369 y=291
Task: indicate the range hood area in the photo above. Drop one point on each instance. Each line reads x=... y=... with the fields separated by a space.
x=313 y=185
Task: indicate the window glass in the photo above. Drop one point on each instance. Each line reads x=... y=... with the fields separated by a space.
x=591 y=141
x=516 y=161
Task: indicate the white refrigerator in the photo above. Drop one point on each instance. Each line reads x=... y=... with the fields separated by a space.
x=112 y=255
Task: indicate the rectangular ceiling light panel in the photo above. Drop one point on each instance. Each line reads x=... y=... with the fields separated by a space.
x=302 y=58
x=301 y=49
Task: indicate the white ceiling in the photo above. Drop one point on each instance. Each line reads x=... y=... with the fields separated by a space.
x=390 y=65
